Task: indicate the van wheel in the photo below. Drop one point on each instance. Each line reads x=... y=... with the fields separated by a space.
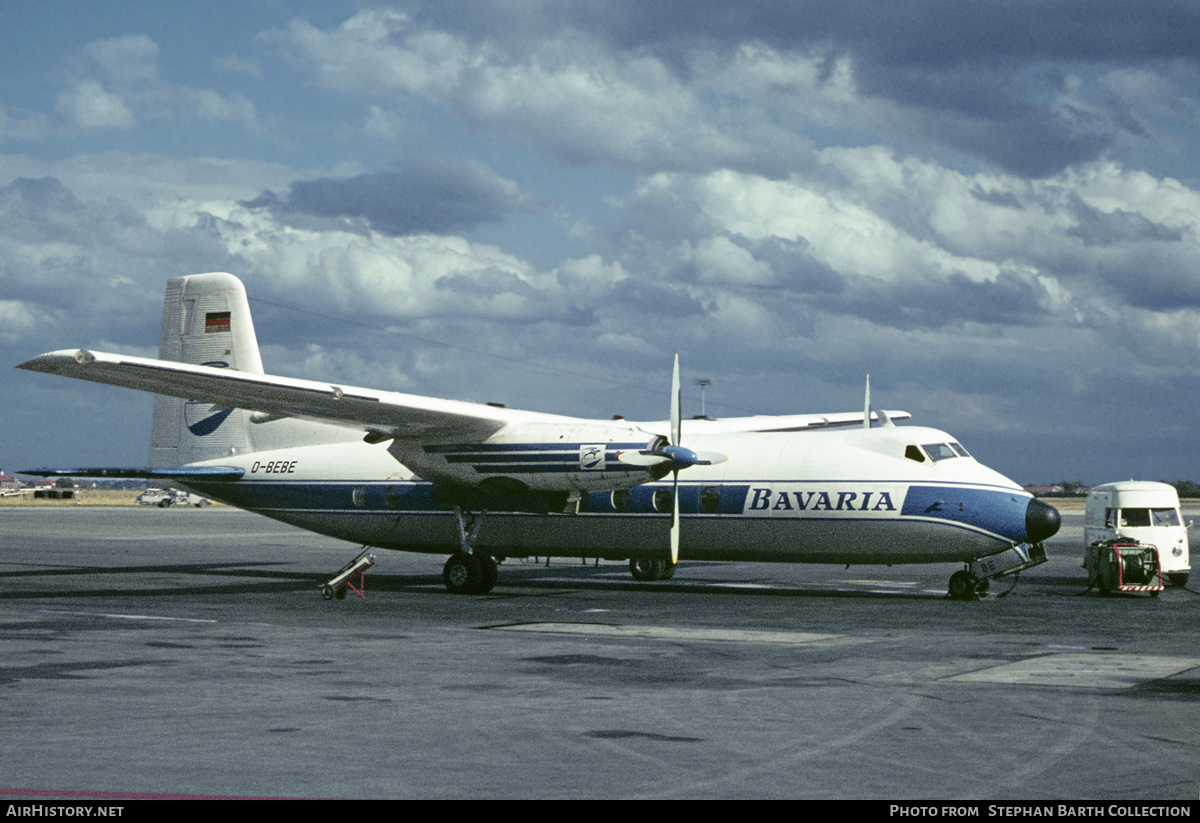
x=1178 y=578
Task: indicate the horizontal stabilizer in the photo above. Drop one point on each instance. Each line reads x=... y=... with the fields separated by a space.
x=181 y=473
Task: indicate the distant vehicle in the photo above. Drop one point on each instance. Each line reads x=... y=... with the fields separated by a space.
x=171 y=497
x=1147 y=513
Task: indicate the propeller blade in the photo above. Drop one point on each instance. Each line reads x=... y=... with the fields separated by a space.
x=675 y=403
x=675 y=520
x=642 y=458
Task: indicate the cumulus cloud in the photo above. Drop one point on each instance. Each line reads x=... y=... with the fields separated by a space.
x=429 y=195
x=694 y=85
x=114 y=85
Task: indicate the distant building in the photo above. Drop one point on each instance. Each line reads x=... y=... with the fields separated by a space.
x=1057 y=489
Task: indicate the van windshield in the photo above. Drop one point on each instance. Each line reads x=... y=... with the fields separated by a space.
x=1149 y=517
x=1164 y=517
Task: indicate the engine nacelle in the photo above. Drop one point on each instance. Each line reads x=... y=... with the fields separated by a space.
x=538 y=457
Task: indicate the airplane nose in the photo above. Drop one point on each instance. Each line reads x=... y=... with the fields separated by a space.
x=1041 y=521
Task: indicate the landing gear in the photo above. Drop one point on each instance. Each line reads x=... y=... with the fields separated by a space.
x=468 y=572
x=647 y=570
x=973 y=581
x=965 y=586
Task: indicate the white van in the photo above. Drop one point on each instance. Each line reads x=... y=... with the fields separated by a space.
x=1148 y=513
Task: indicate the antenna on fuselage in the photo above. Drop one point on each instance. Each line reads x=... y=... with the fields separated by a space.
x=867 y=406
x=884 y=420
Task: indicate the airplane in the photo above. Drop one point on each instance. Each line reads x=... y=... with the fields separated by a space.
x=398 y=471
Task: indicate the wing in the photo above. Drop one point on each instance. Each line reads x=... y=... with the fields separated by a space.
x=773 y=423
x=382 y=414
x=179 y=473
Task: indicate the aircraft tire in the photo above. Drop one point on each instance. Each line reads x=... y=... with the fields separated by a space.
x=489 y=573
x=669 y=570
x=646 y=570
x=462 y=574
x=962 y=585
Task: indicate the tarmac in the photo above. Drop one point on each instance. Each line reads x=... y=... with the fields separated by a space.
x=189 y=653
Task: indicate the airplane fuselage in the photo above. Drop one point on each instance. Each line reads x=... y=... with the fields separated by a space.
x=841 y=496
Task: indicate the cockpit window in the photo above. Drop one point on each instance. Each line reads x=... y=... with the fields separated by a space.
x=914 y=453
x=960 y=450
x=939 y=451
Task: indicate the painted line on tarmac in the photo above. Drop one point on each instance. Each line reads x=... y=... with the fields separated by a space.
x=686 y=634
x=130 y=616
x=1096 y=671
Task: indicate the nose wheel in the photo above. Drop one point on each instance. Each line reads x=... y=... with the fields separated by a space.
x=965 y=586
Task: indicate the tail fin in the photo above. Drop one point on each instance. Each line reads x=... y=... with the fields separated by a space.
x=206 y=321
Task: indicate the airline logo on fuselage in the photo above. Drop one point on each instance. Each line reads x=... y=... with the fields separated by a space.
x=591 y=458
x=796 y=500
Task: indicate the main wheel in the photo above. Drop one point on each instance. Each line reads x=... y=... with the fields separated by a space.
x=488 y=573
x=646 y=570
x=462 y=574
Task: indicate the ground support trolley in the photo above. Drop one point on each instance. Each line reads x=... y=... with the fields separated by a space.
x=1123 y=565
x=341 y=581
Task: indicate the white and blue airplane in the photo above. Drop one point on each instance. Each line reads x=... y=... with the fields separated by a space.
x=398 y=471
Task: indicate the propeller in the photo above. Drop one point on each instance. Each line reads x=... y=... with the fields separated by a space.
x=672 y=456
x=674 y=450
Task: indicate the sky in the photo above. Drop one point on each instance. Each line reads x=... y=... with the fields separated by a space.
x=993 y=208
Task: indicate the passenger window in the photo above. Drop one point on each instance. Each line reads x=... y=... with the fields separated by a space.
x=710 y=500
x=392 y=497
x=620 y=499
x=662 y=499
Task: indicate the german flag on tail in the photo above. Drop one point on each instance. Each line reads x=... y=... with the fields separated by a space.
x=216 y=321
